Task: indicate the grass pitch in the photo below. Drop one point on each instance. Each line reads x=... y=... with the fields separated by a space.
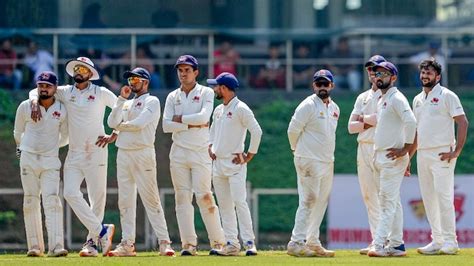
x=343 y=257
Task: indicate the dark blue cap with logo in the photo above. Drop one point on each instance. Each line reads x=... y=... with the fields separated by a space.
x=225 y=78
x=388 y=66
x=47 y=77
x=323 y=74
x=375 y=59
x=138 y=72
x=186 y=60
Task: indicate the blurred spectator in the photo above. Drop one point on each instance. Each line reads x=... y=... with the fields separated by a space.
x=38 y=60
x=433 y=51
x=145 y=59
x=272 y=75
x=345 y=75
x=226 y=58
x=302 y=73
x=10 y=77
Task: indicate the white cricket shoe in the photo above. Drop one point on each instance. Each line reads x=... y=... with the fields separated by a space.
x=89 y=249
x=398 y=251
x=106 y=238
x=377 y=251
x=321 y=252
x=299 y=249
x=430 y=249
x=215 y=249
x=58 y=251
x=229 y=249
x=35 y=251
x=250 y=248
x=449 y=248
x=165 y=248
x=126 y=248
x=188 y=250
x=364 y=251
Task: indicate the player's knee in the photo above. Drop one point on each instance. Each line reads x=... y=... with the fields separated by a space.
x=205 y=200
x=183 y=197
x=52 y=202
x=308 y=201
x=30 y=203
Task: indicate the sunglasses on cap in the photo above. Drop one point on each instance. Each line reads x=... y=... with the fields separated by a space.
x=81 y=69
x=134 y=80
x=379 y=74
x=320 y=84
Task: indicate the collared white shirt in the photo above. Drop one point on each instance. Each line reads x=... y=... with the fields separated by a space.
x=196 y=109
x=366 y=104
x=229 y=127
x=86 y=109
x=137 y=120
x=396 y=123
x=312 y=129
x=45 y=136
x=434 y=113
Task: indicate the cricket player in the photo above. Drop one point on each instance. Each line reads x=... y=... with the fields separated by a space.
x=438 y=150
x=231 y=120
x=312 y=136
x=38 y=147
x=393 y=138
x=87 y=154
x=137 y=120
x=363 y=121
x=186 y=115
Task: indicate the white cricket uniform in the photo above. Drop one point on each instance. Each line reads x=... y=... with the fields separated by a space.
x=137 y=120
x=396 y=125
x=366 y=105
x=190 y=164
x=228 y=132
x=312 y=136
x=39 y=162
x=86 y=110
x=436 y=177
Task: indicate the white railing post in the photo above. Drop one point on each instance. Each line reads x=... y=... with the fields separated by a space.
x=289 y=65
x=210 y=55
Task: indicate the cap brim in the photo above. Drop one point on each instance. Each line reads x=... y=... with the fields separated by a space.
x=212 y=82
x=326 y=78
x=72 y=63
x=184 y=63
x=46 y=82
x=370 y=64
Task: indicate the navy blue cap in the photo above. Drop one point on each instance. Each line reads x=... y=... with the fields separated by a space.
x=225 y=78
x=388 y=66
x=186 y=60
x=139 y=72
x=47 y=77
x=374 y=60
x=323 y=74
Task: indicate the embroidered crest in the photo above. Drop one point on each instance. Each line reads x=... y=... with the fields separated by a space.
x=56 y=114
x=196 y=99
x=434 y=100
x=138 y=105
x=44 y=76
x=73 y=98
x=229 y=115
x=335 y=115
x=91 y=98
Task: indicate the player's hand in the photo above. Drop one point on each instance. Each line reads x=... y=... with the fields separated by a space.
x=366 y=126
x=18 y=153
x=242 y=158
x=102 y=141
x=177 y=118
x=394 y=153
x=125 y=91
x=211 y=154
x=35 y=111
x=448 y=155
x=407 y=171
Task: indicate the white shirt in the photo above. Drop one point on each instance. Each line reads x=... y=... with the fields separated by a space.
x=312 y=129
x=366 y=104
x=45 y=136
x=229 y=129
x=396 y=123
x=137 y=120
x=86 y=110
x=196 y=109
x=434 y=113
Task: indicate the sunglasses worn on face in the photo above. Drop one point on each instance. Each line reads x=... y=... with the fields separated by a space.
x=134 y=80
x=322 y=84
x=81 y=70
x=381 y=74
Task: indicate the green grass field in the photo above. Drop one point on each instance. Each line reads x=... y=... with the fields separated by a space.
x=343 y=257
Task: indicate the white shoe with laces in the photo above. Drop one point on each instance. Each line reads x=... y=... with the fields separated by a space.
x=58 y=251
x=89 y=249
x=230 y=249
x=430 y=249
x=165 y=248
x=188 y=250
x=364 y=251
x=449 y=248
x=250 y=248
x=126 y=248
x=34 y=252
x=398 y=251
x=299 y=249
x=377 y=251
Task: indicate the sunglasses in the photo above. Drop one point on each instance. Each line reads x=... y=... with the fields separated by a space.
x=379 y=74
x=134 y=80
x=81 y=70
x=322 y=84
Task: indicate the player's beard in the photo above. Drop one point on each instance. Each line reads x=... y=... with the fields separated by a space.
x=218 y=96
x=136 y=89
x=80 y=79
x=45 y=96
x=323 y=94
x=429 y=83
x=382 y=85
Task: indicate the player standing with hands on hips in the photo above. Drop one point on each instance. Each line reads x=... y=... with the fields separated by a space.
x=231 y=120
x=137 y=120
x=186 y=115
x=312 y=136
x=393 y=140
x=38 y=147
x=87 y=154
x=438 y=150
x=363 y=121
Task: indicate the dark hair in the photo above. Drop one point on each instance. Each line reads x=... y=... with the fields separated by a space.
x=431 y=62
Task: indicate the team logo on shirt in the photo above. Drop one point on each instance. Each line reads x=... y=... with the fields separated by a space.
x=335 y=115
x=434 y=101
x=138 y=105
x=73 y=98
x=229 y=115
x=419 y=211
x=91 y=98
x=56 y=115
x=196 y=99
x=384 y=105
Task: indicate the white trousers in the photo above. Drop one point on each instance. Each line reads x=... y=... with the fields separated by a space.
x=229 y=181
x=91 y=166
x=191 y=173
x=390 y=172
x=437 y=190
x=315 y=180
x=136 y=169
x=369 y=183
x=40 y=176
